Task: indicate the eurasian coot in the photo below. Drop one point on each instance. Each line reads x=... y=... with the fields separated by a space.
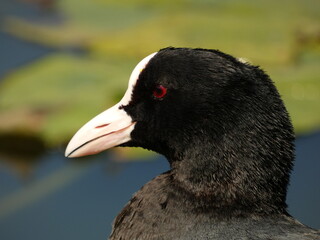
x=229 y=141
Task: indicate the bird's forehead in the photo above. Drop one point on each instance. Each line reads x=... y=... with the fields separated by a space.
x=138 y=69
x=134 y=77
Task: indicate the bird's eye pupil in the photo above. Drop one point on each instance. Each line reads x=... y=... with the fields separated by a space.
x=159 y=92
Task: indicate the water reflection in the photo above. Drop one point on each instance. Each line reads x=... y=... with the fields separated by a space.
x=68 y=199
x=78 y=199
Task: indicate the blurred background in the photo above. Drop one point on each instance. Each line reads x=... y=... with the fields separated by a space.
x=63 y=62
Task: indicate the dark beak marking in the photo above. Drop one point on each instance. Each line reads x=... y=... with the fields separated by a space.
x=103 y=125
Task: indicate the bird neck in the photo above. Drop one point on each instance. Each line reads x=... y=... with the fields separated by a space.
x=225 y=178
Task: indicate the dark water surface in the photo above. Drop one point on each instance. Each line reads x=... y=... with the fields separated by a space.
x=79 y=200
x=15 y=53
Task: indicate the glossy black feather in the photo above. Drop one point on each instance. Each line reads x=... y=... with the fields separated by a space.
x=229 y=141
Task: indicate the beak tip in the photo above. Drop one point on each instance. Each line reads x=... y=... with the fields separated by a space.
x=71 y=153
x=67 y=154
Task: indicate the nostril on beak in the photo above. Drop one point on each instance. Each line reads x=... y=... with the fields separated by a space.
x=103 y=125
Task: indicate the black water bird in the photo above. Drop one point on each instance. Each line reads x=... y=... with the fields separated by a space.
x=226 y=133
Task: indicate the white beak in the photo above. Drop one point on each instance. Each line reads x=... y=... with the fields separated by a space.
x=110 y=128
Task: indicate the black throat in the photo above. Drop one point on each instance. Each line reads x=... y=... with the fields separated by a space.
x=241 y=172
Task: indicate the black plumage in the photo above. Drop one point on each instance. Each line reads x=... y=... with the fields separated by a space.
x=229 y=141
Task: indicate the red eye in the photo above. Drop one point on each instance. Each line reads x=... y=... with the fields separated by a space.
x=159 y=92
